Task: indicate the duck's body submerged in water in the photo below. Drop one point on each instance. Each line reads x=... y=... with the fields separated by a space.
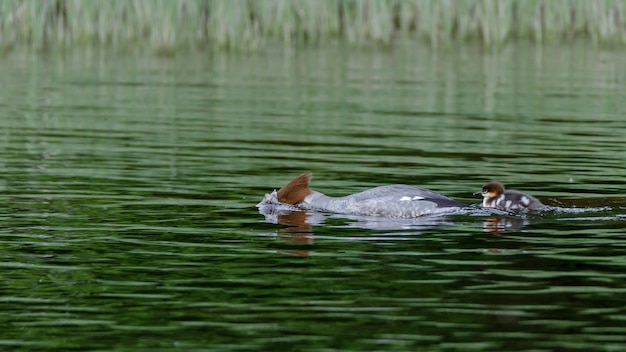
x=495 y=196
x=395 y=201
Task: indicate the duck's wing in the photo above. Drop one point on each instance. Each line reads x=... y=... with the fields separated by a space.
x=399 y=201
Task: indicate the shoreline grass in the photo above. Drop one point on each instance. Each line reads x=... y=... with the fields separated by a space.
x=251 y=24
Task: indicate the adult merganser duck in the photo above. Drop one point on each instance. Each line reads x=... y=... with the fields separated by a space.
x=395 y=201
x=495 y=196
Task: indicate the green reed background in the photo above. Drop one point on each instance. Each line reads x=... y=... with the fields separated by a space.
x=252 y=24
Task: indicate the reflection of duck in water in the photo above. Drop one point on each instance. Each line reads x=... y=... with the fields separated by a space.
x=495 y=196
x=395 y=201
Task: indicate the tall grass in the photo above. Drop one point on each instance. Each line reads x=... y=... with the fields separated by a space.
x=250 y=24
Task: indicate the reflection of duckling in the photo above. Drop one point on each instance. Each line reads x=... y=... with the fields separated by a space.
x=394 y=201
x=495 y=196
x=496 y=225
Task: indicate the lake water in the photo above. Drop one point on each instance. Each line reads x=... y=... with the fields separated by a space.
x=129 y=184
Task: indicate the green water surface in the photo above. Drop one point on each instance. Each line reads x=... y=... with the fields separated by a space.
x=129 y=184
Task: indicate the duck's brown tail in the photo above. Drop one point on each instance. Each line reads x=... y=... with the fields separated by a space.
x=296 y=190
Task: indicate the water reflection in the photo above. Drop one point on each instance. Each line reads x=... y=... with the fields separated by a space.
x=493 y=220
x=304 y=220
x=501 y=224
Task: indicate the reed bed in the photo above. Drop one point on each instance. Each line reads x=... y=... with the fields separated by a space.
x=252 y=24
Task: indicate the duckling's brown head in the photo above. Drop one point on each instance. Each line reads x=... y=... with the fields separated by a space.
x=491 y=189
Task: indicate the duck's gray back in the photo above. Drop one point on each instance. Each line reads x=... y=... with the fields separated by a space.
x=399 y=201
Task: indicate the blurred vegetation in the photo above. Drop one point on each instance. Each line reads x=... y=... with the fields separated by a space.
x=251 y=24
